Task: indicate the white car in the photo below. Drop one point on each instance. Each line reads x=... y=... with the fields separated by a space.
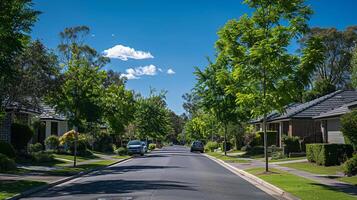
x=135 y=147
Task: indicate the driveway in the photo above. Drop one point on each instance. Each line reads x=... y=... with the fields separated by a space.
x=171 y=173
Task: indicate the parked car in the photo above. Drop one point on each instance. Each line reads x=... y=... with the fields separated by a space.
x=135 y=147
x=197 y=146
x=144 y=146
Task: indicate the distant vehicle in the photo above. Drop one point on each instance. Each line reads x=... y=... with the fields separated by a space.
x=144 y=146
x=135 y=147
x=197 y=146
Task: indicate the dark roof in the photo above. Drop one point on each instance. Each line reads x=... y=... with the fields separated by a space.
x=346 y=108
x=314 y=108
x=18 y=107
x=50 y=113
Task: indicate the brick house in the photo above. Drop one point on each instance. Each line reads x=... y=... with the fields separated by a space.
x=312 y=121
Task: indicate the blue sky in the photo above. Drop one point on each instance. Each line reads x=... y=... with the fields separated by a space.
x=178 y=34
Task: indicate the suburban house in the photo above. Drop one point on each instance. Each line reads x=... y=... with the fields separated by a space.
x=313 y=121
x=49 y=122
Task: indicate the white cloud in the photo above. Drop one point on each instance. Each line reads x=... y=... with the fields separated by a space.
x=124 y=53
x=135 y=73
x=170 y=71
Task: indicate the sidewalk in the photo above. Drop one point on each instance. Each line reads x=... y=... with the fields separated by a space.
x=321 y=179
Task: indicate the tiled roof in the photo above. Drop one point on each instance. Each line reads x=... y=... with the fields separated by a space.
x=338 y=111
x=317 y=106
x=50 y=113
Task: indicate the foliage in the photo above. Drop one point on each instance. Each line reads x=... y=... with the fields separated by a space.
x=17 y=18
x=191 y=103
x=42 y=157
x=272 y=137
x=177 y=123
x=7 y=149
x=255 y=150
x=328 y=154
x=121 y=151
x=33 y=148
x=103 y=142
x=67 y=141
x=291 y=144
x=354 y=69
x=52 y=142
x=6 y=164
x=350 y=166
x=278 y=155
x=152 y=117
x=349 y=127
x=335 y=70
x=211 y=146
x=20 y=135
x=152 y=147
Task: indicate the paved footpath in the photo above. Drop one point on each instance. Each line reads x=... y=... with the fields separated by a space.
x=171 y=173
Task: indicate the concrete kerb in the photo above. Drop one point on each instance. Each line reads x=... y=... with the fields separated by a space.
x=44 y=187
x=257 y=182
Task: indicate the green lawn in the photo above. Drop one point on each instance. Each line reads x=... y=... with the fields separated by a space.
x=300 y=187
x=11 y=188
x=313 y=168
x=231 y=159
x=121 y=157
x=79 y=158
x=351 y=180
x=288 y=159
x=69 y=171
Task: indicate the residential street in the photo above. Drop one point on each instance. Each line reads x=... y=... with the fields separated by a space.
x=171 y=173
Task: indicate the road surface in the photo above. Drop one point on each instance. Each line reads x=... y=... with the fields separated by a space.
x=168 y=174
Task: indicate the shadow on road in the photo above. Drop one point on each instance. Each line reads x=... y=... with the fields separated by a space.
x=132 y=168
x=115 y=187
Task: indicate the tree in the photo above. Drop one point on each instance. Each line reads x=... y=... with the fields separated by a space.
x=266 y=76
x=177 y=123
x=37 y=74
x=335 y=71
x=73 y=39
x=210 y=88
x=152 y=117
x=354 y=69
x=16 y=20
x=191 y=103
x=119 y=106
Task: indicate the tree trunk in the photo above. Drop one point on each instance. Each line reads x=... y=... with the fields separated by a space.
x=75 y=146
x=265 y=143
x=225 y=139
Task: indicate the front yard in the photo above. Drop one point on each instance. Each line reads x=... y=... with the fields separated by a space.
x=228 y=158
x=300 y=187
x=10 y=188
x=315 y=169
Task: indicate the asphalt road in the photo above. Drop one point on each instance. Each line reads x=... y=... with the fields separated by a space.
x=171 y=173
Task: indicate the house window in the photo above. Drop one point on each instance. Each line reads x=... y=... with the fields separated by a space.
x=54 y=128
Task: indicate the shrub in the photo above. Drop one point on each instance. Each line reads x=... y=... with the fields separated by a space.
x=229 y=146
x=103 y=142
x=20 y=135
x=52 y=142
x=7 y=149
x=256 y=150
x=246 y=148
x=349 y=127
x=42 y=157
x=152 y=146
x=121 y=151
x=211 y=146
x=35 y=147
x=328 y=154
x=67 y=140
x=6 y=164
x=291 y=144
x=277 y=155
x=81 y=148
x=350 y=166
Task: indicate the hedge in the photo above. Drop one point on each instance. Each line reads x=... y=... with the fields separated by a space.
x=291 y=144
x=21 y=134
x=7 y=149
x=272 y=138
x=328 y=154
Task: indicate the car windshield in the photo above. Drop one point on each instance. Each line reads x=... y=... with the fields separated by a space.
x=198 y=143
x=134 y=142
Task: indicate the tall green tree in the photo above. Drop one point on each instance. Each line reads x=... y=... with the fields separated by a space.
x=335 y=70
x=266 y=76
x=16 y=20
x=152 y=117
x=354 y=69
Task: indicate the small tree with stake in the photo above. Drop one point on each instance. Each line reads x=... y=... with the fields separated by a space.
x=266 y=76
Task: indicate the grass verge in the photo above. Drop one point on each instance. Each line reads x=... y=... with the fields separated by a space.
x=352 y=180
x=79 y=158
x=230 y=159
x=69 y=171
x=288 y=159
x=300 y=187
x=12 y=187
x=315 y=169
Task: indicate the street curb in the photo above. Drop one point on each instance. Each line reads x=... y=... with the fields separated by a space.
x=44 y=187
x=268 y=188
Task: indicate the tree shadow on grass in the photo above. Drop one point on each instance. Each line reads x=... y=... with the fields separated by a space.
x=345 y=188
